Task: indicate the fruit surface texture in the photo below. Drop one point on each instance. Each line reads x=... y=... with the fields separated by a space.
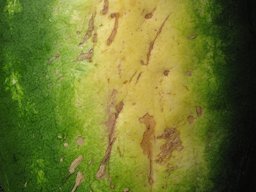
x=110 y=95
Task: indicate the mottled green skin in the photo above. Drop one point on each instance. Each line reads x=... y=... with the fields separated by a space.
x=37 y=103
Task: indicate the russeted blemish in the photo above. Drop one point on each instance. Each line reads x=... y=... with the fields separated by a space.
x=75 y=163
x=90 y=29
x=147 y=142
x=78 y=181
x=114 y=30
x=105 y=8
x=114 y=108
x=172 y=143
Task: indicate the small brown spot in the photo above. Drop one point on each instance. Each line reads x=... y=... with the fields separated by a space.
x=65 y=145
x=126 y=190
x=104 y=10
x=114 y=31
x=75 y=164
x=191 y=119
x=166 y=72
x=80 y=141
x=199 y=111
x=192 y=36
x=150 y=14
x=189 y=73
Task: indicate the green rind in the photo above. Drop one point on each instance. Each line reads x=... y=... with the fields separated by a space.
x=42 y=114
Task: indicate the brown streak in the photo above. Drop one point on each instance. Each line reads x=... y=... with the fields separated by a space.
x=90 y=29
x=130 y=80
x=152 y=43
x=111 y=123
x=104 y=10
x=146 y=142
x=114 y=31
x=95 y=37
x=138 y=78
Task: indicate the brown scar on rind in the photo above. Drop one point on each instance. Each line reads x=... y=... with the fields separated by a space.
x=95 y=37
x=102 y=169
x=86 y=56
x=90 y=29
x=166 y=72
x=113 y=111
x=150 y=14
x=75 y=164
x=199 y=111
x=79 y=180
x=191 y=119
x=146 y=142
x=172 y=143
x=105 y=8
x=114 y=30
x=152 y=43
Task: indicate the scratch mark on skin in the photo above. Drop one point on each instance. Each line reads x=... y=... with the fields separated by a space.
x=102 y=169
x=138 y=77
x=152 y=43
x=133 y=75
x=113 y=110
x=146 y=142
x=114 y=31
x=104 y=10
x=86 y=56
x=90 y=29
x=75 y=164
x=79 y=180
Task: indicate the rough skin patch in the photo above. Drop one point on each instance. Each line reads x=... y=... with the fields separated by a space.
x=172 y=143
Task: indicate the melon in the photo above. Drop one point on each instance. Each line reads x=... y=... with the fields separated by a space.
x=111 y=95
